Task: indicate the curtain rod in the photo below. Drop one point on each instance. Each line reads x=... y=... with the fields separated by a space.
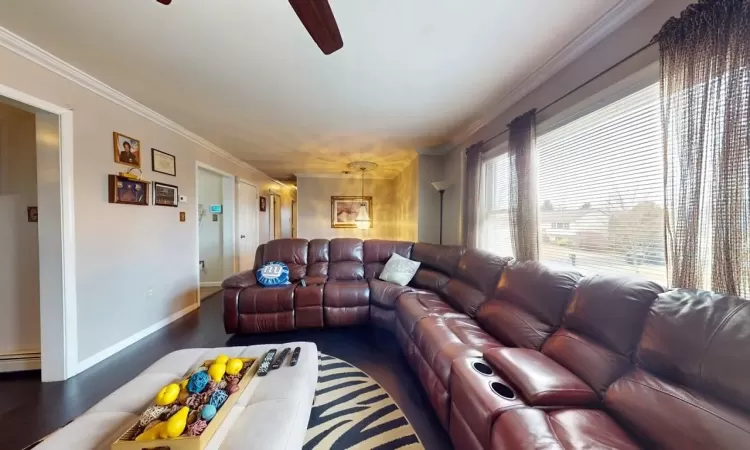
x=581 y=86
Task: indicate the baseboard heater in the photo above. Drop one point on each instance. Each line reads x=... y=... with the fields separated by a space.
x=20 y=361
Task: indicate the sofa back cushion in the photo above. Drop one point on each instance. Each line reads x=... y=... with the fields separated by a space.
x=292 y=252
x=529 y=303
x=691 y=389
x=442 y=258
x=474 y=279
x=601 y=328
x=347 y=259
x=377 y=252
x=318 y=257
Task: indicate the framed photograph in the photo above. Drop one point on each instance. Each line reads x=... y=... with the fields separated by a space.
x=163 y=162
x=128 y=191
x=165 y=194
x=127 y=150
x=262 y=203
x=344 y=211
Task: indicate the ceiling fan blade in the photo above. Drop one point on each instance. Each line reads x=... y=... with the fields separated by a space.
x=317 y=17
x=164 y=2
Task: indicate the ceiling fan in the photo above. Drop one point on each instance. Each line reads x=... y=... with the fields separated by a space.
x=317 y=17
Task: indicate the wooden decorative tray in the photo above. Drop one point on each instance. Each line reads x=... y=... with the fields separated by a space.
x=126 y=440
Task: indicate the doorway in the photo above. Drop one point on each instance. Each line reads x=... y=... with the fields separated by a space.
x=274 y=216
x=215 y=209
x=248 y=237
x=42 y=220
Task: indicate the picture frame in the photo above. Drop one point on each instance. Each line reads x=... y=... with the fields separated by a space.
x=127 y=150
x=344 y=210
x=166 y=194
x=128 y=191
x=163 y=162
x=262 y=203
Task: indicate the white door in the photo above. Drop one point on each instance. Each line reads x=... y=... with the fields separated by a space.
x=247 y=225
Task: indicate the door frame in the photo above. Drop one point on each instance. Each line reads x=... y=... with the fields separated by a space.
x=57 y=295
x=239 y=180
x=229 y=220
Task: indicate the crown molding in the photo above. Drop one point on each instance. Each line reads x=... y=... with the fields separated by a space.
x=353 y=174
x=38 y=55
x=620 y=13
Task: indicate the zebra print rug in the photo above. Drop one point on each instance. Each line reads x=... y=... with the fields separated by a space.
x=352 y=411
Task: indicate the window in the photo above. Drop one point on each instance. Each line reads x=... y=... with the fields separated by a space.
x=494 y=221
x=601 y=188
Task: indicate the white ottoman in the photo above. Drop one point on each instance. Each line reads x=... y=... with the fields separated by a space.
x=272 y=412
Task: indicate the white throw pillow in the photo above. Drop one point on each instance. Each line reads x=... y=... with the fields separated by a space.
x=399 y=270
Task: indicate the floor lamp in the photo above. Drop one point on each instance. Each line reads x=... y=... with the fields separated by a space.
x=441 y=187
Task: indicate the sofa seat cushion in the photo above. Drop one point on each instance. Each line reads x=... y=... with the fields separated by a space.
x=385 y=294
x=440 y=340
x=540 y=380
x=671 y=416
x=273 y=299
x=412 y=307
x=531 y=429
x=339 y=294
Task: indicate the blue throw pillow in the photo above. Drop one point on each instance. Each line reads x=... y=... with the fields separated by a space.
x=274 y=273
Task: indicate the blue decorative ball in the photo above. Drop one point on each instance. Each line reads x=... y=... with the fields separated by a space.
x=198 y=381
x=273 y=273
x=218 y=398
x=208 y=412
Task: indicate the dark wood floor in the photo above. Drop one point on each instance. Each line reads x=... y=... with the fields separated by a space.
x=30 y=410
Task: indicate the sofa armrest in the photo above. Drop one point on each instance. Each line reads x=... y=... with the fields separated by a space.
x=240 y=280
x=539 y=379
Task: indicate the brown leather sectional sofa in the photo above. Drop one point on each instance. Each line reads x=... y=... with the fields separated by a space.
x=522 y=355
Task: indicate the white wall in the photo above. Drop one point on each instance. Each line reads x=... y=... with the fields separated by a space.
x=135 y=265
x=314 y=207
x=628 y=38
x=406 y=202
x=211 y=234
x=19 y=244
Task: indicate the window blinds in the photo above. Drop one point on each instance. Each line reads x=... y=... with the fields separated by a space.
x=601 y=193
x=494 y=223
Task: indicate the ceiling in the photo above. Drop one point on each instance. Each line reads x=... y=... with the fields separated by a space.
x=245 y=75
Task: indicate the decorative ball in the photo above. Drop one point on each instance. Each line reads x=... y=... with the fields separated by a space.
x=196 y=428
x=198 y=382
x=232 y=388
x=218 y=398
x=208 y=412
x=151 y=414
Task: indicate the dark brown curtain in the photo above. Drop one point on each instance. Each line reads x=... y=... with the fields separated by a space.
x=705 y=95
x=471 y=195
x=523 y=190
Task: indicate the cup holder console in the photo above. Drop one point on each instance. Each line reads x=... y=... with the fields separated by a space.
x=502 y=390
x=482 y=368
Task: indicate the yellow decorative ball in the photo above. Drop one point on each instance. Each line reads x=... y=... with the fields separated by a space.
x=216 y=371
x=234 y=366
x=221 y=359
x=168 y=394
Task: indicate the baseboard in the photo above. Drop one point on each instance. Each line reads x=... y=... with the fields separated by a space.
x=20 y=361
x=107 y=352
x=210 y=283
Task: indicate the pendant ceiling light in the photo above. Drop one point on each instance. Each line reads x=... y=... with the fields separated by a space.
x=363 y=221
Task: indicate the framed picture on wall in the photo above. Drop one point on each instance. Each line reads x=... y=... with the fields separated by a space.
x=127 y=190
x=165 y=194
x=163 y=162
x=262 y=203
x=127 y=150
x=344 y=211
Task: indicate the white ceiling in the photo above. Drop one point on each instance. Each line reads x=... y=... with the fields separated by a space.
x=245 y=75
